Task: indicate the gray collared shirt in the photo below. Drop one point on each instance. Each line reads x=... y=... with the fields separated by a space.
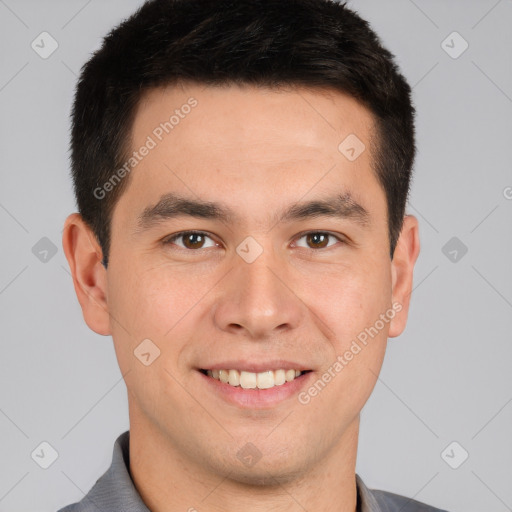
x=114 y=491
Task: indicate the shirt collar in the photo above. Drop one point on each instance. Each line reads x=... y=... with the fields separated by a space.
x=366 y=501
x=115 y=488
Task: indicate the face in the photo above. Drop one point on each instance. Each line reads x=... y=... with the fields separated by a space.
x=263 y=282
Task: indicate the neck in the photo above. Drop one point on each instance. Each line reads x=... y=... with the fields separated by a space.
x=171 y=478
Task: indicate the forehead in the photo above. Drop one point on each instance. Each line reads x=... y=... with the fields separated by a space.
x=233 y=116
x=257 y=146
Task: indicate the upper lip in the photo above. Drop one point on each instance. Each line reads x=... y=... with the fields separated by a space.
x=254 y=367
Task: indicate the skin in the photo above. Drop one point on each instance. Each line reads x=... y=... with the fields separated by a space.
x=257 y=151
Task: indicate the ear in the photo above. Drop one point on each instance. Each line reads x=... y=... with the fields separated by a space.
x=84 y=257
x=402 y=267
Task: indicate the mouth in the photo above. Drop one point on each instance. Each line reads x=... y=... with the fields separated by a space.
x=251 y=380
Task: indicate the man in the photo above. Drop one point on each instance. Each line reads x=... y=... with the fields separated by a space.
x=241 y=170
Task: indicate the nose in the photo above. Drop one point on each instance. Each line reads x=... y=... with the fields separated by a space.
x=258 y=299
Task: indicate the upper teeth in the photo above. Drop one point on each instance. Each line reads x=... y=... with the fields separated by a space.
x=249 y=380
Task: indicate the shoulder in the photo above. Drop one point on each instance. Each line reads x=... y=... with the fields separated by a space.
x=114 y=490
x=75 y=507
x=376 y=500
x=84 y=505
x=390 y=502
x=87 y=504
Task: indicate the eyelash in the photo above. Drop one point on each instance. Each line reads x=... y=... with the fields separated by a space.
x=171 y=239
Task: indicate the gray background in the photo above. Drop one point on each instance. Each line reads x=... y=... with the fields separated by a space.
x=446 y=378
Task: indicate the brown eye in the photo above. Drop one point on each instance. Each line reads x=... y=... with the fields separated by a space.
x=190 y=240
x=318 y=239
x=193 y=241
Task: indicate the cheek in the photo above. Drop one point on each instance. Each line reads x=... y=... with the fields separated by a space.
x=358 y=337
x=150 y=307
x=151 y=302
x=143 y=306
x=350 y=298
x=159 y=303
x=357 y=308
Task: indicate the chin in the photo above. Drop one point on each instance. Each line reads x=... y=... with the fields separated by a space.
x=261 y=477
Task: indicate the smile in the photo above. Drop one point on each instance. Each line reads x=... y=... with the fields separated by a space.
x=249 y=380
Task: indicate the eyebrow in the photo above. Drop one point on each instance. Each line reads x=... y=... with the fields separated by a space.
x=170 y=206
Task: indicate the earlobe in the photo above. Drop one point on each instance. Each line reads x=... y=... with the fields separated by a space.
x=402 y=268
x=84 y=257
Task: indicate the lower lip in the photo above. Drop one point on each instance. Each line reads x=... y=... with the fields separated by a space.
x=257 y=398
